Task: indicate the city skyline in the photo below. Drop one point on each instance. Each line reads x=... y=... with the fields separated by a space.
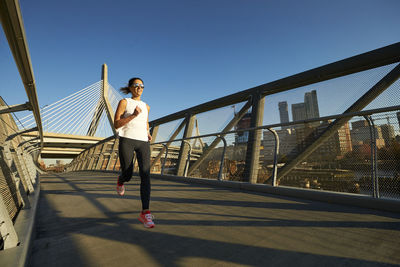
x=300 y=111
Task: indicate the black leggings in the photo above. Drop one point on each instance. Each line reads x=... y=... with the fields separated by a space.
x=126 y=148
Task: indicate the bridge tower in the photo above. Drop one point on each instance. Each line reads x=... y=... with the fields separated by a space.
x=102 y=106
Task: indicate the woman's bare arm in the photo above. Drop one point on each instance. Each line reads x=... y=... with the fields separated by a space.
x=118 y=121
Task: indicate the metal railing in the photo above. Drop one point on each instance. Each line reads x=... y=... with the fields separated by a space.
x=339 y=180
x=18 y=172
x=245 y=151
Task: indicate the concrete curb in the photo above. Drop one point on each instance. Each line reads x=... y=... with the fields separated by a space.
x=25 y=228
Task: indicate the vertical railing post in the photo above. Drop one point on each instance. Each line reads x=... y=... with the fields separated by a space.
x=190 y=120
x=188 y=158
x=88 y=158
x=115 y=163
x=374 y=164
x=81 y=160
x=276 y=153
x=221 y=165
x=101 y=156
x=95 y=157
x=254 y=142
x=153 y=133
x=19 y=166
x=114 y=149
x=165 y=158
x=7 y=230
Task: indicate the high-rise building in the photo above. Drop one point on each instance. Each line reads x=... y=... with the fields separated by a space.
x=299 y=112
x=336 y=146
x=344 y=139
x=311 y=104
x=283 y=112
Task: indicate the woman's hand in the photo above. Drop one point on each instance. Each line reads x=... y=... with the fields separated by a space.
x=149 y=136
x=137 y=111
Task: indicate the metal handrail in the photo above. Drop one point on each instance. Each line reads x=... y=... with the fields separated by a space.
x=374 y=156
x=188 y=158
x=276 y=153
x=221 y=166
x=365 y=114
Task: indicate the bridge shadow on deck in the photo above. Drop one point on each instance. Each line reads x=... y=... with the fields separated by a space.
x=83 y=222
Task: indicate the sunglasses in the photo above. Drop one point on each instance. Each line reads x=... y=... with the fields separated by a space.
x=138 y=85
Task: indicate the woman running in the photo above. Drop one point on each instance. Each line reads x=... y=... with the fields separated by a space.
x=132 y=125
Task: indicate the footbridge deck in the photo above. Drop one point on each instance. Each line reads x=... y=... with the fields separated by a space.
x=81 y=221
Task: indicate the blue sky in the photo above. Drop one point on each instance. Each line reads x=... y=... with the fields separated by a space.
x=190 y=52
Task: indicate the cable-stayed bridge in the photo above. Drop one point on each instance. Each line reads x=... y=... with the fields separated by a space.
x=77 y=121
x=82 y=113
x=322 y=189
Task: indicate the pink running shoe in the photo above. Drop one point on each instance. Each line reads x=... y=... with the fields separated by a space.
x=120 y=189
x=147 y=219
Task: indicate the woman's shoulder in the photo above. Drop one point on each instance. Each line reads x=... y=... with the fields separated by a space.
x=143 y=103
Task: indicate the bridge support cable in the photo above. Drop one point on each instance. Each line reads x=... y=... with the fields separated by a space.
x=113 y=96
x=361 y=103
x=98 y=111
x=82 y=113
x=78 y=121
x=238 y=116
x=75 y=114
x=48 y=109
x=82 y=121
x=54 y=114
x=73 y=108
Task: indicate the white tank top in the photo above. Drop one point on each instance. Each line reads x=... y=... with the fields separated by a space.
x=136 y=128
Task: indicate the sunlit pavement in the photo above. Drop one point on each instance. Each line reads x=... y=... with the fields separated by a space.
x=81 y=221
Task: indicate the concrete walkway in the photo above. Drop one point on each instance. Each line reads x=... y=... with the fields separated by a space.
x=83 y=222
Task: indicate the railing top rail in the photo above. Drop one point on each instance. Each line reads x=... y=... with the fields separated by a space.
x=369 y=60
